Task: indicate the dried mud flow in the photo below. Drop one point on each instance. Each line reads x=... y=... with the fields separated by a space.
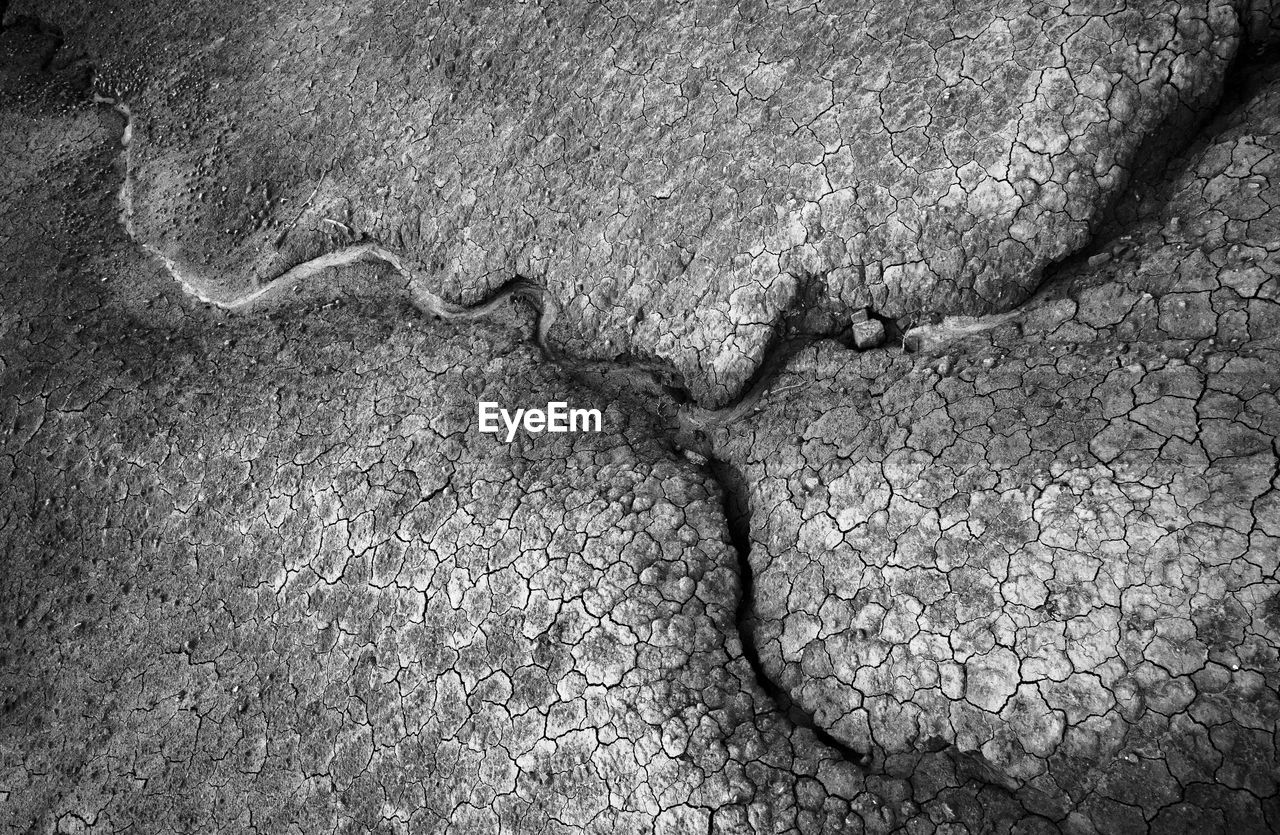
x=937 y=352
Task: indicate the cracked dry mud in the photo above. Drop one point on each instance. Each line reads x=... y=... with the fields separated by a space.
x=1014 y=571
x=674 y=174
x=1052 y=540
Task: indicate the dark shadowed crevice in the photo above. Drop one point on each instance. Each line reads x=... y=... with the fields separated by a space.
x=1154 y=176
x=737 y=514
x=645 y=390
x=1142 y=199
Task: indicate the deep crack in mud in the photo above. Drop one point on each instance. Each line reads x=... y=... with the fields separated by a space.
x=737 y=514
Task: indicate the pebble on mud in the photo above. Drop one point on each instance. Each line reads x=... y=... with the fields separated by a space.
x=868 y=334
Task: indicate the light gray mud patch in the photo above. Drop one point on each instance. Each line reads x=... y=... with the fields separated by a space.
x=677 y=177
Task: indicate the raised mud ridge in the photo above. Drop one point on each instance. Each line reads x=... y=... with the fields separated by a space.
x=679 y=180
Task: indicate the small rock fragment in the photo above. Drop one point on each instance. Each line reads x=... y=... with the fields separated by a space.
x=868 y=334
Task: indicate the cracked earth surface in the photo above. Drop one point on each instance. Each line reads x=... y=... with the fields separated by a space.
x=262 y=574
x=674 y=174
x=1051 y=541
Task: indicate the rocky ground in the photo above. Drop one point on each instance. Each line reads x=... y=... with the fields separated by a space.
x=938 y=486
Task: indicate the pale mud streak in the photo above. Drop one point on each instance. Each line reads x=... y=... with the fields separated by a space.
x=934 y=337
x=368 y=252
x=837 y=178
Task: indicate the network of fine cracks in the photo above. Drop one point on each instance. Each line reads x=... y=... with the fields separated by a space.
x=689 y=426
x=702 y=433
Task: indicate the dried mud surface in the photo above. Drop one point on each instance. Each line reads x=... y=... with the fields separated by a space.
x=678 y=176
x=1014 y=571
x=262 y=575
x=1049 y=538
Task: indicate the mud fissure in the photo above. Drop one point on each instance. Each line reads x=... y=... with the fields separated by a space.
x=737 y=513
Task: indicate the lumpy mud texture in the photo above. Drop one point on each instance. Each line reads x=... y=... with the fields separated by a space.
x=1050 y=539
x=676 y=175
